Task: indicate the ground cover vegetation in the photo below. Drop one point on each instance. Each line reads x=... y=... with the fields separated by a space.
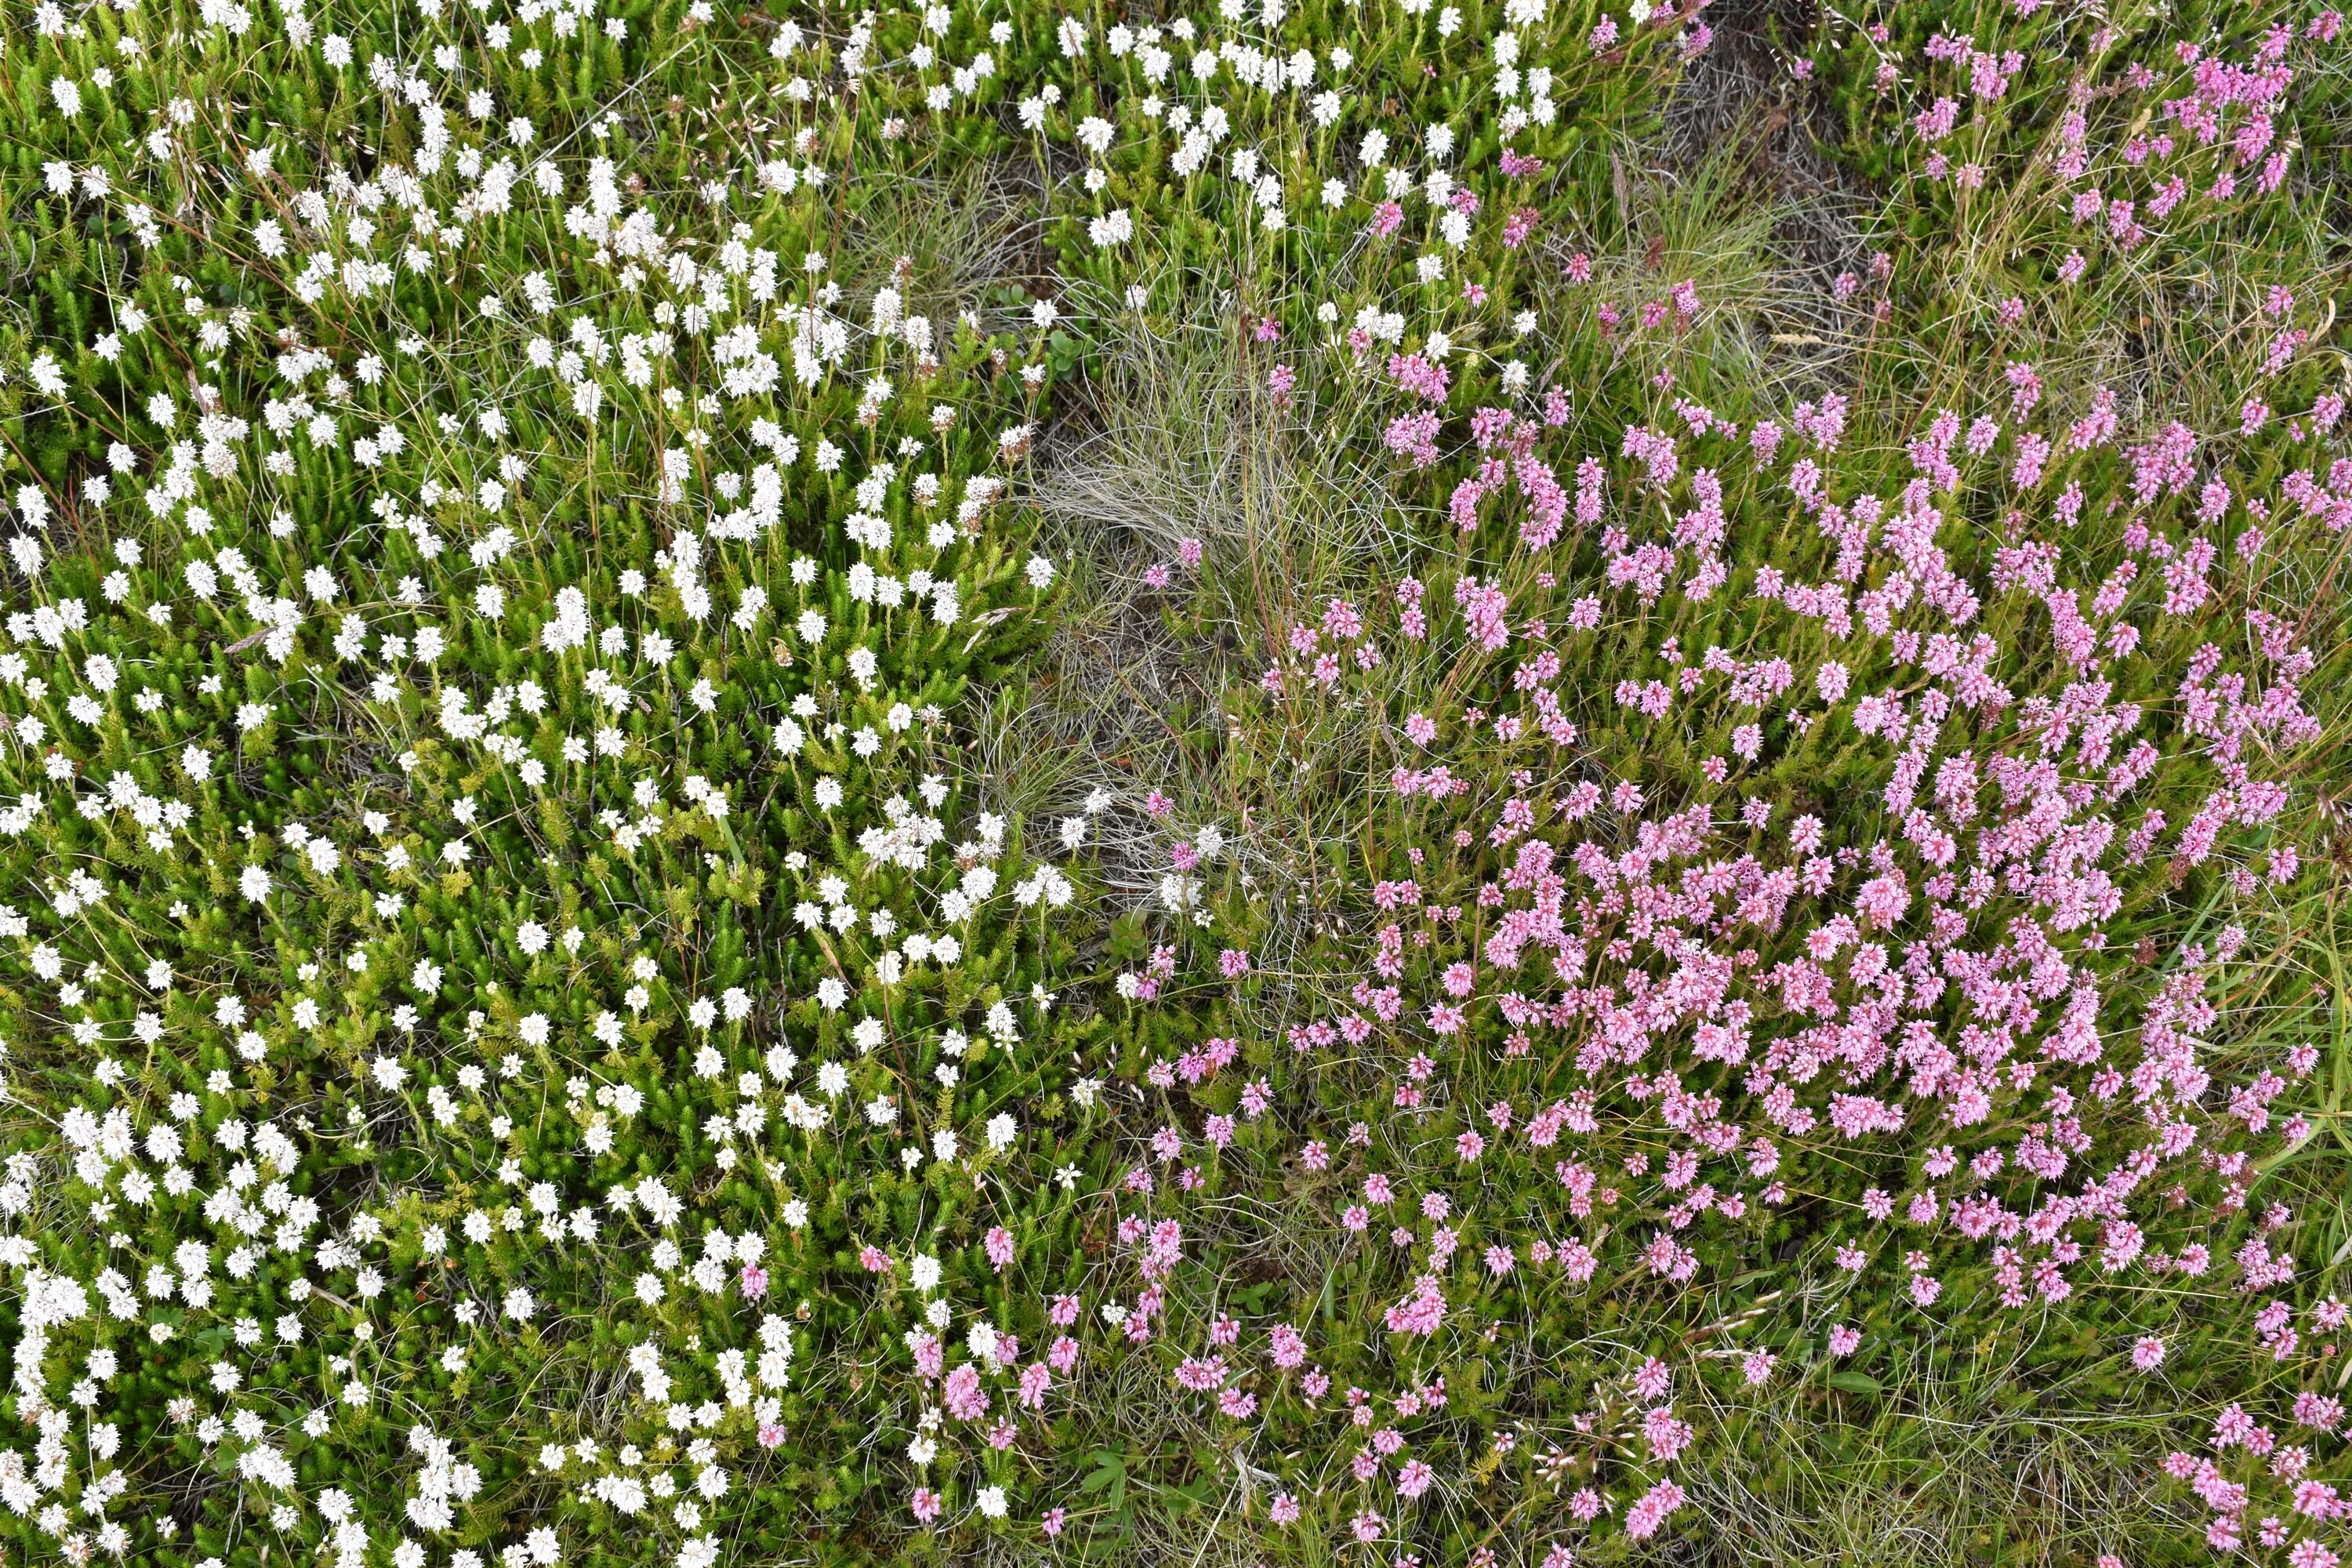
x=1293 y=782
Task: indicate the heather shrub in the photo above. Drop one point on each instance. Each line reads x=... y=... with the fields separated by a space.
x=989 y=783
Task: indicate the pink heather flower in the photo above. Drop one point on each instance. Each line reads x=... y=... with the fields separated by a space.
x=1845 y=1340
x=771 y=1436
x=2317 y=1500
x=1644 y=1517
x=962 y=1394
x=1232 y=962
x=1420 y=376
x=1415 y=437
x=1053 y=1521
x=926 y=1504
x=1667 y=1435
x=1284 y=1510
x=754 y=1280
x=1421 y=1312
x=2318 y=1412
x=2147 y=1353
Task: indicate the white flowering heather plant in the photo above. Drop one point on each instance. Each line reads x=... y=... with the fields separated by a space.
x=504 y=975
x=1806 y=842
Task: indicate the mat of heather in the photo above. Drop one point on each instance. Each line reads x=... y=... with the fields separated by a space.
x=1291 y=782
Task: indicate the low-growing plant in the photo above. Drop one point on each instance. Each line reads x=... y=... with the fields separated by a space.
x=988 y=784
